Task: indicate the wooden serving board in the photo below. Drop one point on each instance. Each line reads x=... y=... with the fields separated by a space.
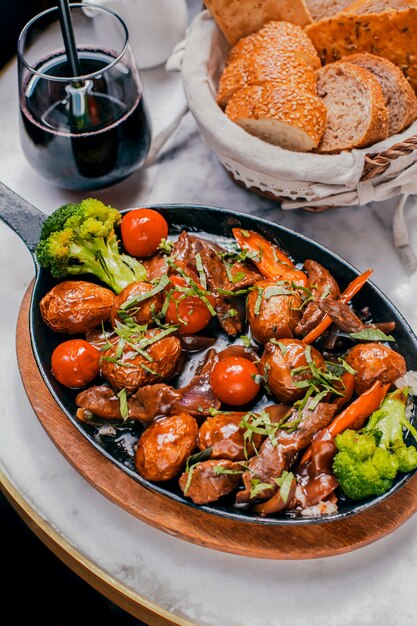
x=196 y=526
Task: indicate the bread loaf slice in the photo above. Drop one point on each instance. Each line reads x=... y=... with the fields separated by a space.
x=238 y=18
x=400 y=99
x=356 y=112
x=325 y=8
x=365 y=7
x=387 y=32
x=280 y=66
x=279 y=114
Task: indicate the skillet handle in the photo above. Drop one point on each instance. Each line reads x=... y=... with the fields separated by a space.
x=22 y=217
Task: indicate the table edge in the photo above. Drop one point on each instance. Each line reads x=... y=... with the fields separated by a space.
x=130 y=601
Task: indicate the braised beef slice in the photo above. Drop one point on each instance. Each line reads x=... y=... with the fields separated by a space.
x=315 y=477
x=274 y=459
x=322 y=285
x=100 y=400
x=342 y=315
x=208 y=486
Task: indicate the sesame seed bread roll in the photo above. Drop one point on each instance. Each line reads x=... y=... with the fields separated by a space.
x=280 y=115
x=280 y=66
x=400 y=99
x=278 y=36
x=356 y=112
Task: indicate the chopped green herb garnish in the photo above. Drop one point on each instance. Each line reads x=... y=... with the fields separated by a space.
x=124 y=409
x=371 y=334
x=166 y=246
x=246 y=341
x=149 y=370
x=258 y=301
x=200 y=270
x=134 y=300
x=257 y=487
x=281 y=345
x=192 y=461
x=284 y=483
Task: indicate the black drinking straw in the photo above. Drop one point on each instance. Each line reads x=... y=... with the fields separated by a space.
x=68 y=36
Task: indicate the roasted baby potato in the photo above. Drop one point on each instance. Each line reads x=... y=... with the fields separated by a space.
x=277 y=363
x=271 y=315
x=165 y=446
x=132 y=370
x=134 y=306
x=375 y=361
x=75 y=306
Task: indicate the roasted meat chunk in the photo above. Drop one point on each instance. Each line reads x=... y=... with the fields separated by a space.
x=75 y=306
x=224 y=435
x=132 y=369
x=165 y=446
x=322 y=285
x=136 y=302
x=279 y=364
x=279 y=453
x=375 y=361
x=210 y=480
x=273 y=310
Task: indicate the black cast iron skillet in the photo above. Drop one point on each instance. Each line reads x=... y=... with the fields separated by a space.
x=26 y=221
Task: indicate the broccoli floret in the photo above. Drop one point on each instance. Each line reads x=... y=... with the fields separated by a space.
x=359 y=479
x=368 y=461
x=80 y=239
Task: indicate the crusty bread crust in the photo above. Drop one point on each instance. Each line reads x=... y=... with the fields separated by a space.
x=365 y=7
x=296 y=119
x=278 y=36
x=280 y=52
x=349 y=124
x=238 y=18
x=280 y=66
x=400 y=99
x=390 y=34
x=325 y=8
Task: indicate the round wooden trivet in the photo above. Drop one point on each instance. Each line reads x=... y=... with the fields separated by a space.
x=268 y=542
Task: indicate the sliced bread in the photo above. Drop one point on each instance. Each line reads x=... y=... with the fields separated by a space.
x=387 y=32
x=279 y=114
x=238 y=18
x=280 y=66
x=325 y=8
x=400 y=99
x=356 y=112
x=365 y=7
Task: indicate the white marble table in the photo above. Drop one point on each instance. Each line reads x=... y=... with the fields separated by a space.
x=373 y=585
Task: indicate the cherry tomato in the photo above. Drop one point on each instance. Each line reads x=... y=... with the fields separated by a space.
x=232 y=380
x=191 y=313
x=142 y=231
x=75 y=363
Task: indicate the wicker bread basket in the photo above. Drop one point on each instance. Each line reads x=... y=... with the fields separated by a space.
x=297 y=180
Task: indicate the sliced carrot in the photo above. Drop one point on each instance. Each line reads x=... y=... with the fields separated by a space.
x=273 y=263
x=350 y=291
x=353 y=416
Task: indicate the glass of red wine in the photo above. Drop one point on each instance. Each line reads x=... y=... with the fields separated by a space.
x=88 y=131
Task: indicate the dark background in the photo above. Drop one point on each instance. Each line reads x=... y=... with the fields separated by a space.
x=36 y=586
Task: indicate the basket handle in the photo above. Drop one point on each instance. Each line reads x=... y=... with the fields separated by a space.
x=376 y=164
